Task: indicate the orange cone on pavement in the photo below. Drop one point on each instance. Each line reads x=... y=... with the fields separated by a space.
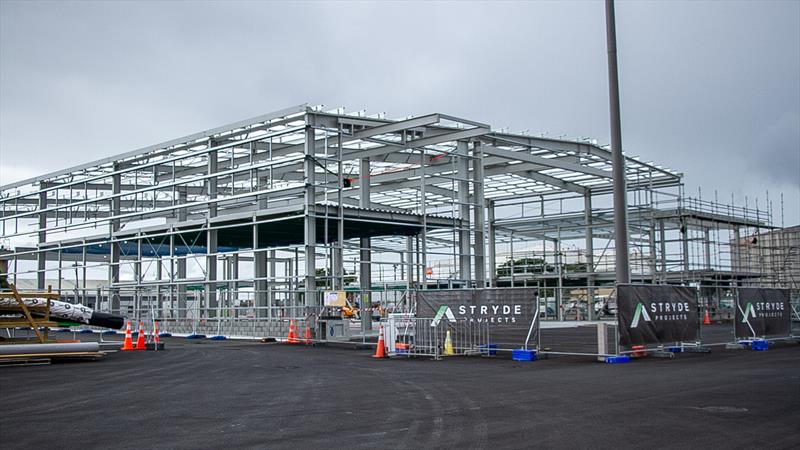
x=128 y=343
x=292 y=337
x=156 y=339
x=380 y=352
x=706 y=319
x=140 y=338
x=309 y=336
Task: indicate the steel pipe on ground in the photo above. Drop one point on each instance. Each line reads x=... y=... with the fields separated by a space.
x=39 y=349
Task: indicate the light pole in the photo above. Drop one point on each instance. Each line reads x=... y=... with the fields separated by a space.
x=617 y=160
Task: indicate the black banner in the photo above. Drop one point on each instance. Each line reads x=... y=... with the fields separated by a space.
x=507 y=311
x=656 y=314
x=762 y=312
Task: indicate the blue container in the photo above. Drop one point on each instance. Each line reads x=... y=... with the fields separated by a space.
x=622 y=359
x=164 y=334
x=759 y=345
x=489 y=349
x=675 y=349
x=523 y=355
x=217 y=338
x=196 y=336
x=85 y=331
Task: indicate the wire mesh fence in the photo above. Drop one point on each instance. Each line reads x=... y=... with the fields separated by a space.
x=429 y=337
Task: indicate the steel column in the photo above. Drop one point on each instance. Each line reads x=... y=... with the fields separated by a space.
x=477 y=173
x=310 y=235
x=41 y=257
x=492 y=245
x=365 y=269
x=587 y=207
x=464 y=255
x=211 y=237
x=114 y=226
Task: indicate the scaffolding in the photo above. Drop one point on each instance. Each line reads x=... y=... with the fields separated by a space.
x=259 y=219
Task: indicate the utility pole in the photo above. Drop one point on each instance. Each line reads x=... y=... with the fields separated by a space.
x=617 y=160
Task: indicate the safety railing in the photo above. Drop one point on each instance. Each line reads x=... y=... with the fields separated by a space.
x=429 y=337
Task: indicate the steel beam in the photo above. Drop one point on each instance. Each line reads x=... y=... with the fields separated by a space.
x=554 y=163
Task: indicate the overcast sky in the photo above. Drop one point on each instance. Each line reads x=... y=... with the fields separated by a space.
x=711 y=89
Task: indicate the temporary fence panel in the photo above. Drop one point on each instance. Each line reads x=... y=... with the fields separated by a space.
x=412 y=336
x=716 y=333
x=763 y=313
x=795 y=305
x=507 y=312
x=576 y=338
x=656 y=314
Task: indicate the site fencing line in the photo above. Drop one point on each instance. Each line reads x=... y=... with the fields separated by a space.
x=544 y=334
x=760 y=314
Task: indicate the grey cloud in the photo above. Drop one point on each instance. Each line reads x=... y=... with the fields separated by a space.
x=708 y=88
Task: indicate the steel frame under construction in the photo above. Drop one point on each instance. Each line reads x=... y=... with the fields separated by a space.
x=269 y=213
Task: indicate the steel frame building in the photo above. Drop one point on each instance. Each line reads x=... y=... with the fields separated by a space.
x=270 y=212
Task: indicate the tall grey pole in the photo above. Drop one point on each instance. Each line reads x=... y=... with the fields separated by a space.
x=617 y=160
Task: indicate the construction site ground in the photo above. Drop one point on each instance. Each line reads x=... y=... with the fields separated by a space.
x=200 y=394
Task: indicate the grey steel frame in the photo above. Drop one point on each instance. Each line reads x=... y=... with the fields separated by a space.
x=456 y=181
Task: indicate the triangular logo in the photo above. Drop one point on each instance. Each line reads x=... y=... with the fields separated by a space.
x=640 y=314
x=749 y=311
x=444 y=311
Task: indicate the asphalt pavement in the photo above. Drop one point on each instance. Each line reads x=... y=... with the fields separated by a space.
x=238 y=394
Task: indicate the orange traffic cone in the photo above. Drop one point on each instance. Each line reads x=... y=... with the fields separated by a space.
x=309 y=336
x=380 y=352
x=128 y=343
x=706 y=319
x=292 y=337
x=140 y=338
x=156 y=339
